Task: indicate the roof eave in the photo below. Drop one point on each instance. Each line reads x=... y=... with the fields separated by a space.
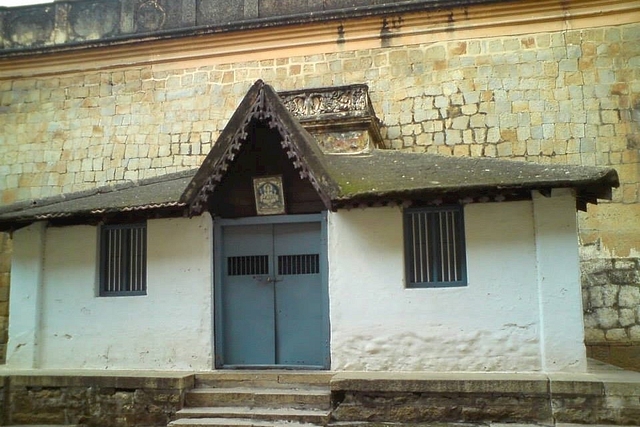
x=588 y=191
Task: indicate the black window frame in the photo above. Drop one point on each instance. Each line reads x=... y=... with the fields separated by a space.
x=430 y=261
x=122 y=273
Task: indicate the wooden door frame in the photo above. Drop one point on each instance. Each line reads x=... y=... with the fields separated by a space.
x=218 y=326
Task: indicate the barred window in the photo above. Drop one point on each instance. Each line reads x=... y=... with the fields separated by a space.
x=123 y=259
x=434 y=247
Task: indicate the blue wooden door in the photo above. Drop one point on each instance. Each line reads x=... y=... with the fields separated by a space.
x=273 y=302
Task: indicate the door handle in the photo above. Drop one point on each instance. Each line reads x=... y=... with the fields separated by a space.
x=262 y=279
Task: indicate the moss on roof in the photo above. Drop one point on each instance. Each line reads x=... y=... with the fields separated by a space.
x=386 y=172
x=149 y=194
x=379 y=176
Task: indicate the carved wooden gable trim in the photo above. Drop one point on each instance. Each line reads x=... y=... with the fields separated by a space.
x=299 y=146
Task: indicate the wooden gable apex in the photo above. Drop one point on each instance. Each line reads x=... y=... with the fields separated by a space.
x=263 y=105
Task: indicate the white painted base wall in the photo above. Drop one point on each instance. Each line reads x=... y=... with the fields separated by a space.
x=521 y=310
x=493 y=324
x=169 y=328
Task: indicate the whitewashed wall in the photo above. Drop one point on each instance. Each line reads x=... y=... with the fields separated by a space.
x=521 y=310
x=169 y=328
x=493 y=324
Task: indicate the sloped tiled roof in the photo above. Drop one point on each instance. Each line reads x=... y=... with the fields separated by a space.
x=387 y=173
x=146 y=195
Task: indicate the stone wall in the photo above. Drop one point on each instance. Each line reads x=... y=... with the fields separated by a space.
x=520 y=399
x=93 y=401
x=75 y=22
x=5 y=269
x=564 y=96
x=611 y=299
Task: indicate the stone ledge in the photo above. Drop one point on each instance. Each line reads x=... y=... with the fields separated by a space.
x=420 y=382
x=117 y=380
x=604 y=395
x=92 y=398
x=98 y=22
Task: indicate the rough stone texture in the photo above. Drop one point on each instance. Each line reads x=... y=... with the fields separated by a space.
x=98 y=401
x=421 y=407
x=3 y=410
x=65 y=23
x=497 y=97
x=605 y=396
x=5 y=270
x=611 y=299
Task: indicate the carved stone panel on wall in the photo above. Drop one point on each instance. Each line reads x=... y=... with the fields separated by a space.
x=150 y=16
x=94 y=20
x=341 y=118
x=32 y=27
x=304 y=104
x=355 y=141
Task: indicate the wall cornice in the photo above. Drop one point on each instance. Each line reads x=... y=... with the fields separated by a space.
x=388 y=30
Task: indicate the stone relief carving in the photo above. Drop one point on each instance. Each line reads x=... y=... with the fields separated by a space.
x=328 y=101
x=31 y=28
x=82 y=18
x=150 y=16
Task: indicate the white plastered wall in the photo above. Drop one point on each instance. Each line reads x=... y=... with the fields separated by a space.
x=493 y=324
x=25 y=296
x=559 y=288
x=169 y=328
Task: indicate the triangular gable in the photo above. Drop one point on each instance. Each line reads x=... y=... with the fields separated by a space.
x=263 y=104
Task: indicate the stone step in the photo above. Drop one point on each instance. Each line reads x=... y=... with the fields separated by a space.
x=234 y=422
x=319 y=398
x=310 y=416
x=270 y=379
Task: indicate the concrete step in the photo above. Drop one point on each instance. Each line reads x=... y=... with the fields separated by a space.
x=319 y=398
x=234 y=422
x=271 y=379
x=284 y=414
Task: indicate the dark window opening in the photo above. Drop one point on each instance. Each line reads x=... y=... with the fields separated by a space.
x=435 y=247
x=123 y=259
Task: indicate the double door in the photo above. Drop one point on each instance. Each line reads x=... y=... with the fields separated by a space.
x=272 y=303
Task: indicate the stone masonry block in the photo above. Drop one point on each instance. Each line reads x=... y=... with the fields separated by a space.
x=624 y=276
x=616 y=335
x=453 y=137
x=627 y=317
x=461 y=122
x=629 y=296
x=607 y=317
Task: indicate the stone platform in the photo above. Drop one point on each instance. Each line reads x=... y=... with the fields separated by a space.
x=605 y=395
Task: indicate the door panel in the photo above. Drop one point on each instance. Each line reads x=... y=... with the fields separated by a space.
x=247 y=296
x=299 y=313
x=273 y=303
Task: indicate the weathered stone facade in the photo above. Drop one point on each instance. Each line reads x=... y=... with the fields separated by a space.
x=98 y=400
x=565 y=93
x=498 y=398
x=5 y=270
x=553 y=97
x=611 y=300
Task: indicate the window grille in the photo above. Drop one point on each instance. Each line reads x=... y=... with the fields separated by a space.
x=123 y=259
x=435 y=247
x=250 y=265
x=298 y=264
